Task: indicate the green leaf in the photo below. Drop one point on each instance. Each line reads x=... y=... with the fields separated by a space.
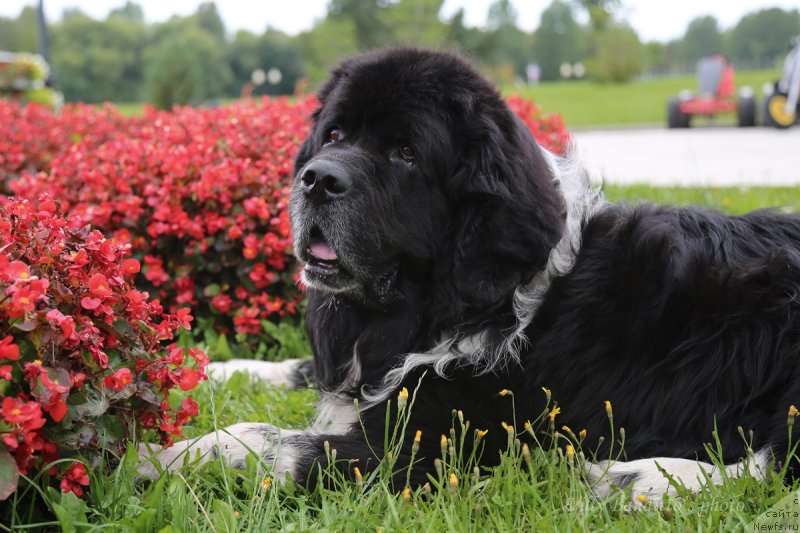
x=94 y=406
x=222 y=350
x=144 y=522
x=63 y=517
x=27 y=325
x=123 y=327
x=9 y=475
x=69 y=510
x=223 y=518
x=271 y=328
x=211 y=290
x=156 y=492
x=110 y=432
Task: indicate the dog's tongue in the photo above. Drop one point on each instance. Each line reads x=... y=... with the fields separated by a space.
x=322 y=250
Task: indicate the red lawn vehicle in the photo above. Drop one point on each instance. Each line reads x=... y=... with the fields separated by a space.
x=717 y=94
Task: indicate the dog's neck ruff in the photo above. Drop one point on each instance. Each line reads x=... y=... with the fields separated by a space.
x=475 y=351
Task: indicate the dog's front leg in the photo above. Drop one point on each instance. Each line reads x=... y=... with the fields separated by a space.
x=231 y=445
x=299 y=453
x=292 y=373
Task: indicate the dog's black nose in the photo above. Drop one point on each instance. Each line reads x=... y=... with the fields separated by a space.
x=324 y=180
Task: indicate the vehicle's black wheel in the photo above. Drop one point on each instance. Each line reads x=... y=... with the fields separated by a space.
x=746 y=111
x=775 y=112
x=675 y=117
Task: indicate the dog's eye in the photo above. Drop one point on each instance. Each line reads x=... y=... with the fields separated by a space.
x=407 y=153
x=334 y=136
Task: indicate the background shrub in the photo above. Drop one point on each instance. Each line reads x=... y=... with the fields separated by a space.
x=84 y=360
x=201 y=196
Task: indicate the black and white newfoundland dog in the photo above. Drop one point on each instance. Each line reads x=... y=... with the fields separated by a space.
x=445 y=252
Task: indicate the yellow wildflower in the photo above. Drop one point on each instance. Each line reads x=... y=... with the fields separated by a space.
x=553 y=413
x=609 y=412
x=504 y=392
x=402 y=398
x=453 y=481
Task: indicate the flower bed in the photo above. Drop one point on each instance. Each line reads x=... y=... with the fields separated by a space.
x=199 y=194
x=33 y=135
x=85 y=358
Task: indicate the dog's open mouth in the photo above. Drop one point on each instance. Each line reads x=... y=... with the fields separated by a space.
x=322 y=259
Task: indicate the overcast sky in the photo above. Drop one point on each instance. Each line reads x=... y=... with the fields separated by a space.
x=653 y=19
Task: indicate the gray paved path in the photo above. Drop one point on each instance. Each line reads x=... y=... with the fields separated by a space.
x=694 y=157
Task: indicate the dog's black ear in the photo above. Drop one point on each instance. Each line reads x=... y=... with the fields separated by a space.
x=509 y=212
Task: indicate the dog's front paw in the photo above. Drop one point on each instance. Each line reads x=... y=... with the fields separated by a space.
x=148 y=458
x=154 y=459
x=231 y=445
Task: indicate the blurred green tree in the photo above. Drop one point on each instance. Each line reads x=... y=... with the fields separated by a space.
x=187 y=34
x=273 y=49
x=207 y=18
x=19 y=35
x=96 y=60
x=763 y=37
x=131 y=12
x=174 y=73
x=702 y=38
x=507 y=48
x=465 y=38
x=322 y=47
x=601 y=12
x=559 y=39
x=415 y=22
x=370 y=30
x=618 y=55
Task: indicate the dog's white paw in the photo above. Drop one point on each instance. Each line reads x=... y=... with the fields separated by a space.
x=231 y=445
x=650 y=479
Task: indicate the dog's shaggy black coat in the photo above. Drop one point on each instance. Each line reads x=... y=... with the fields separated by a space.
x=684 y=319
x=421 y=204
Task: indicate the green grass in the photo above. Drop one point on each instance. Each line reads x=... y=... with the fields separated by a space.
x=590 y=104
x=732 y=200
x=130 y=109
x=543 y=493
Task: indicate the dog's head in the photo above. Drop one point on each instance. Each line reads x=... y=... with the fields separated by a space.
x=416 y=173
